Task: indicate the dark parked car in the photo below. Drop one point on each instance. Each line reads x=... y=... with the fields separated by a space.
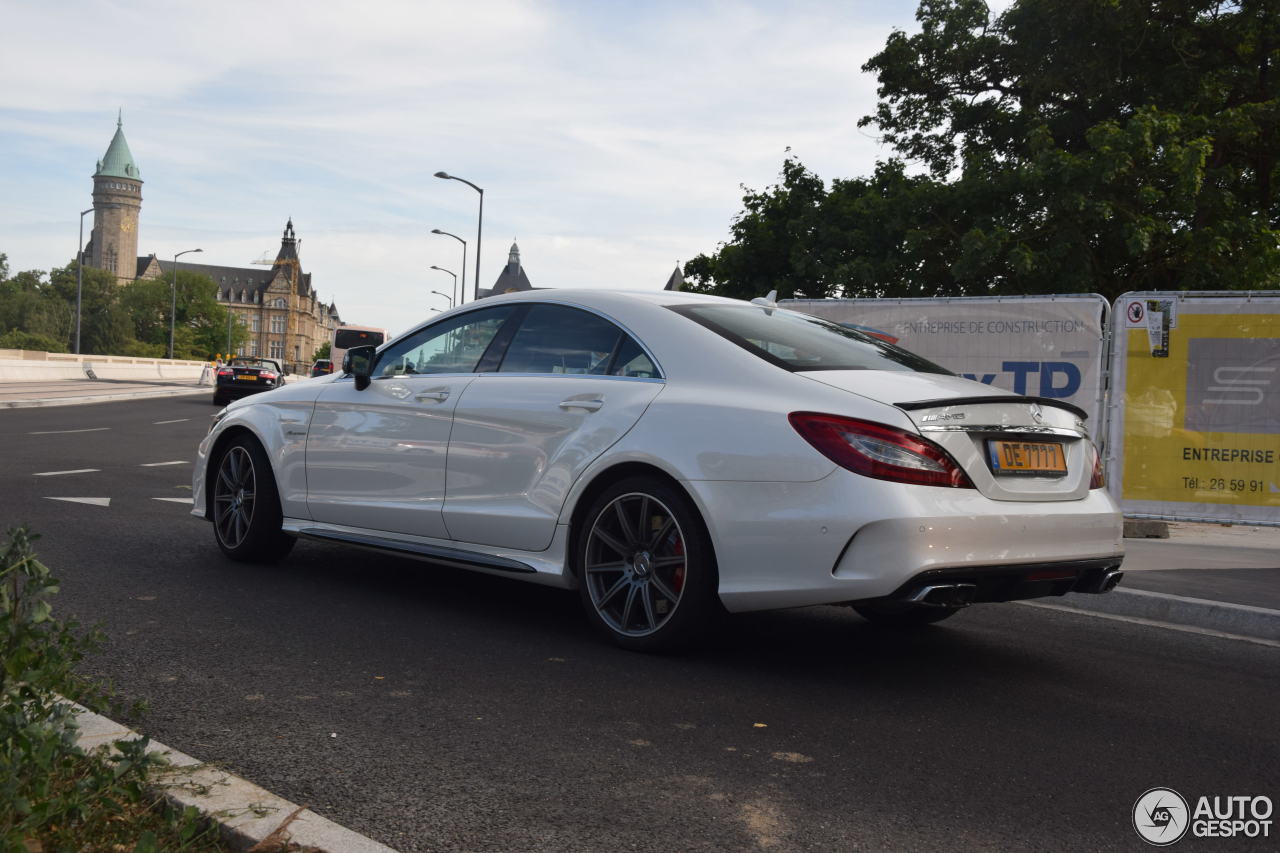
x=246 y=375
x=322 y=367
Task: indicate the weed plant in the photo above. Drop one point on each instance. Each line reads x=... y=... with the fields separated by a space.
x=55 y=796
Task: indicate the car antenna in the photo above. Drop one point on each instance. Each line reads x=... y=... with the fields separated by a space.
x=768 y=302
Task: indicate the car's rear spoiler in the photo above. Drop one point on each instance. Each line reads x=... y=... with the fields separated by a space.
x=994 y=398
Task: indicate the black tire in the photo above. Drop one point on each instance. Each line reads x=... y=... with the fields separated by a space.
x=246 y=504
x=646 y=567
x=218 y=399
x=904 y=615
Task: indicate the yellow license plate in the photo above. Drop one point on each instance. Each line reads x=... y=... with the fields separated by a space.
x=250 y=378
x=1026 y=457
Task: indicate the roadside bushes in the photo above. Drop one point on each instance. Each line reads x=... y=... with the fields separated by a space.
x=53 y=794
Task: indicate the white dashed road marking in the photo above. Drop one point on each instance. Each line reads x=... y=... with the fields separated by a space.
x=160 y=464
x=59 y=473
x=65 y=431
x=176 y=421
x=90 y=501
x=176 y=500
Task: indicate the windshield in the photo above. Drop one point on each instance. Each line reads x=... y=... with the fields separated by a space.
x=254 y=362
x=800 y=342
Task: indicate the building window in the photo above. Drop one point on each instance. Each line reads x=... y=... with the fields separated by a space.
x=279 y=303
x=253 y=347
x=277 y=325
x=277 y=349
x=257 y=324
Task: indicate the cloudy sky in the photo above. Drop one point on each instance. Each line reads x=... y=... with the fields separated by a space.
x=611 y=138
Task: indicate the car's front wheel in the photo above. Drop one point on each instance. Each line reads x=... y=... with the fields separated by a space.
x=246 y=504
x=646 y=567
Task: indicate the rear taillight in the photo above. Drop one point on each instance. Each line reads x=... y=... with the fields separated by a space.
x=226 y=371
x=1096 y=480
x=266 y=374
x=876 y=450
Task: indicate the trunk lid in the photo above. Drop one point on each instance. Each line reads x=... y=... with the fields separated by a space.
x=1012 y=447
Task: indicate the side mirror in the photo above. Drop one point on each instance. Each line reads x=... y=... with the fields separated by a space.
x=358 y=361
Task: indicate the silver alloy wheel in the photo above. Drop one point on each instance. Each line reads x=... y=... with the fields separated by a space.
x=635 y=564
x=233 y=497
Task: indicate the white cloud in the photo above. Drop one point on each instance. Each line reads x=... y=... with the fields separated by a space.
x=611 y=139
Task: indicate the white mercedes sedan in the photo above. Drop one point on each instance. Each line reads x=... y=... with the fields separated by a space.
x=671 y=456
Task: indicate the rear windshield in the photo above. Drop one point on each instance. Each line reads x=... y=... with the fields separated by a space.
x=349 y=338
x=800 y=342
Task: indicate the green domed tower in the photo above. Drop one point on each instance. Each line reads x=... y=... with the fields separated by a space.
x=117 y=202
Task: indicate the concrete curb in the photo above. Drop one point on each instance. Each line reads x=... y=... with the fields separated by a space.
x=101 y=398
x=1239 y=619
x=246 y=813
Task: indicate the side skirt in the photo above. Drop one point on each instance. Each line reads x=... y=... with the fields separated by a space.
x=434 y=553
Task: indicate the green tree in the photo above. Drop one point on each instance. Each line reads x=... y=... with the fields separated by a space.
x=1065 y=146
x=29 y=307
x=104 y=323
x=322 y=351
x=200 y=323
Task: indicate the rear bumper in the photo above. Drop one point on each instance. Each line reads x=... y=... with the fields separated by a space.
x=849 y=538
x=964 y=585
x=242 y=390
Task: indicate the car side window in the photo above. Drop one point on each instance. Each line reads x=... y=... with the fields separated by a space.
x=632 y=361
x=557 y=339
x=452 y=346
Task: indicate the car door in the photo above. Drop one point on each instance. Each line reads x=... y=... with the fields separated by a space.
x=570 y=384
x=376 y=458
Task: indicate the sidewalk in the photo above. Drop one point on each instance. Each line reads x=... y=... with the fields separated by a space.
x=15 y=394
x=1215 y=578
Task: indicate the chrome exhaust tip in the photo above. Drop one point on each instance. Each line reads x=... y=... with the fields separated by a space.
x=945 y=595
x=1107 y=582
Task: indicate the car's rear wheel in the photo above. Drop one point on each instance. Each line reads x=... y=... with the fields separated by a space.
x=646 y=567
x=246 y=504
x=904 y=615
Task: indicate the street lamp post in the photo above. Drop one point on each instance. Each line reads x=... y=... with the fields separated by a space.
x=173 y=303
x=479 y=224
x=464 y=260
x=80 y=266
x=454 y=300
x=445 y=295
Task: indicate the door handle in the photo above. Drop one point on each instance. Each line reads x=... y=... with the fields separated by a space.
x=431 y=396
x=589 y=405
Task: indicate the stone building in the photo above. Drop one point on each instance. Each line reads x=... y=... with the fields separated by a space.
x=275 y=302
x=117 y=202
x=512 y=279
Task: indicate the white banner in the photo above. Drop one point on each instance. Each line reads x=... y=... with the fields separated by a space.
x=1045 y=346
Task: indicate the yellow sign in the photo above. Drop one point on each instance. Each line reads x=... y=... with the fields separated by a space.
x=1202 y=425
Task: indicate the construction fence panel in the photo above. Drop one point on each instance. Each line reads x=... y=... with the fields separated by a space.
x=1046 y=346
x=1195 y=426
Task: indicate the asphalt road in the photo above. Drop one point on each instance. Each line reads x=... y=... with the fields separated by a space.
x=433 y=709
